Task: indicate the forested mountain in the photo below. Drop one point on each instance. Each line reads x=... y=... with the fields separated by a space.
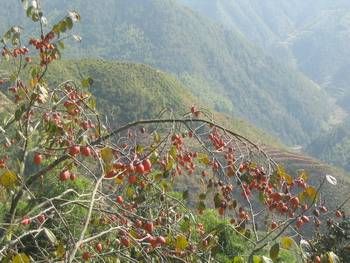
x=311 y=35
x=217 y=64
x=334 y=146
x=127 y=92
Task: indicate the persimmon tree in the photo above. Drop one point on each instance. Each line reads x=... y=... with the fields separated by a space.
x=73 y=189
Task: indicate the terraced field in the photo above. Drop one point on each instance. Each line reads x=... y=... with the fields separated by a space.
x=317 y=170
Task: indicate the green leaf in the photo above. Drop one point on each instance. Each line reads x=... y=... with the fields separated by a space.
x=201 y=206
x=170 y=165
x=35 y=15
x=15 y=38
x=217 y=200
x=247 y=233
x=238 y=259
x=257 y=259
x=63 y=26
x=202 y=196
x=19 y=112
x=185 y=194
x=69 y=23
x=56 y=28
x=274 y=251
x=20 y=258
x=173 y=151
x=29 y=11
x=61 y=44
x=139 y=149
x=87 y=82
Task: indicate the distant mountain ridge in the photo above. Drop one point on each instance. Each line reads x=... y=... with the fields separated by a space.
x=218 y=65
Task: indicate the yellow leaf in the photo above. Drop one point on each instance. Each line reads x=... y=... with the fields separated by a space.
x=20 y=258
x=8 y=179
x=281 y=172
x=288 y=179
x=118 y=180
x=287 y=242
x=130 y=192
x=60 y=250
x=139 y=149
x=107 y=154
x=33 y=82
x=203 y=158
x=181 y=243
x=311 y=192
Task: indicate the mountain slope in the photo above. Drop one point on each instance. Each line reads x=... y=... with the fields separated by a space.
x=218 y=65
x=311 y=35
x=334 y=147
x=127 y=92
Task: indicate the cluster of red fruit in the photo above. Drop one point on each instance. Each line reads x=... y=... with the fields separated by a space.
x=46 y=48
x=217 y=141
x=54 y=118
x=66 y=174
x=124 y=239
x=72 y=104
x=40 y=219
x=131 y=169
x=177 y=141
x=22 y=51
x=186 y=160
x=19 y=90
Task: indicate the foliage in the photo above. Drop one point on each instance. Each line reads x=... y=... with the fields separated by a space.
x=335 y=240
x=334 y=146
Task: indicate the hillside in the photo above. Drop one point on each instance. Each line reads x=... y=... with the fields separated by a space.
x=218 y=66
x=311 y=35
x=334 y=147
x=126 y=92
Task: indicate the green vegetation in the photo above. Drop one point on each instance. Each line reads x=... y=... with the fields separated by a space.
x=127 y=92
x=334 y=147
x=220 y=67
x=312 y=36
